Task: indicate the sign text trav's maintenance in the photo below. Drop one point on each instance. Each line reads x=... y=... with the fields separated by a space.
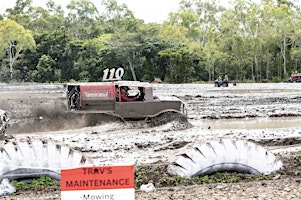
x=95 y=178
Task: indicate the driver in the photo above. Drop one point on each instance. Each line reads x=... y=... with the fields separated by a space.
x=124 y=95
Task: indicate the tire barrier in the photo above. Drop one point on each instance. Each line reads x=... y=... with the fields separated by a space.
x=32 y=158
x=225 y=155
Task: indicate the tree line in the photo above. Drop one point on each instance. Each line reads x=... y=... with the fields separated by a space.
x=246 y=40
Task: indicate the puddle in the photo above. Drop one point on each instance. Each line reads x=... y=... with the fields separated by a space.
x=249 y=123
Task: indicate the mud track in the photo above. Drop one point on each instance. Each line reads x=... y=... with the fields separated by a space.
x=39 y=111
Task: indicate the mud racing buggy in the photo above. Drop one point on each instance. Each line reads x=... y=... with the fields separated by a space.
x=125 y=99
x=129 y=100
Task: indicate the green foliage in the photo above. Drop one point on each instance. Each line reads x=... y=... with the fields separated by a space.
x=4 y=74
x=45 y=72
x=248 y=41
x=158 y=175
x=19 y=185
x=42 y=182
x=13 y=40
x=82 y=19
x=277 y=79
x=14 y=35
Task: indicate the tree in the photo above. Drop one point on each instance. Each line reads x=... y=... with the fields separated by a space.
x=82 y=19
x=89 y=61
x=45 y=72
x=20 y=7
x=41 y=20
x=19 y=13
x=129 y=48
x=176 y=51
x=13 y=40
x=54 y=8
x=118 y=18
x=284 y=26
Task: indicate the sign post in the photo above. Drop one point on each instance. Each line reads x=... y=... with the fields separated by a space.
x=101 y=182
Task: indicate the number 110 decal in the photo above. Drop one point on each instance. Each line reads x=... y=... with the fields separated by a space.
x=112 y=74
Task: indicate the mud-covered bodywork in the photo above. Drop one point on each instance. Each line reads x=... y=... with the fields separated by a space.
x=3 y=122
x=106 y=97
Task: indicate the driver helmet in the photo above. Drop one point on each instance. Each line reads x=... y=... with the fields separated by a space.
x=124 y=88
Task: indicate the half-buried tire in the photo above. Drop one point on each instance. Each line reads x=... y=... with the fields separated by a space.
x=32 y=158
x=225 y=155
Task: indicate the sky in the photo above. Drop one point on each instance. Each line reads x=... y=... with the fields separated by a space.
x=148 y=10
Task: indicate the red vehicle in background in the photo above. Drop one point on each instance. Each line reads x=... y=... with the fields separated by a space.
x=295 y=78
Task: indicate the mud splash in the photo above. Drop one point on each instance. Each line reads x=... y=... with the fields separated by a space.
x=44 y=121
x=55 y=120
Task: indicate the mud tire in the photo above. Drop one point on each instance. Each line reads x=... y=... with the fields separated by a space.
x=225 y=156
x=165 y=117
x=32 y=158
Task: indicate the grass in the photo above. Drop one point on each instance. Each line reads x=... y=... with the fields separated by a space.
x=156 y=174
x=35 y=184
x=159 y=176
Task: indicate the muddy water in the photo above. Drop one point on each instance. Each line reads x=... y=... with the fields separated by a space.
x=245 y=106
x=250 y=123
